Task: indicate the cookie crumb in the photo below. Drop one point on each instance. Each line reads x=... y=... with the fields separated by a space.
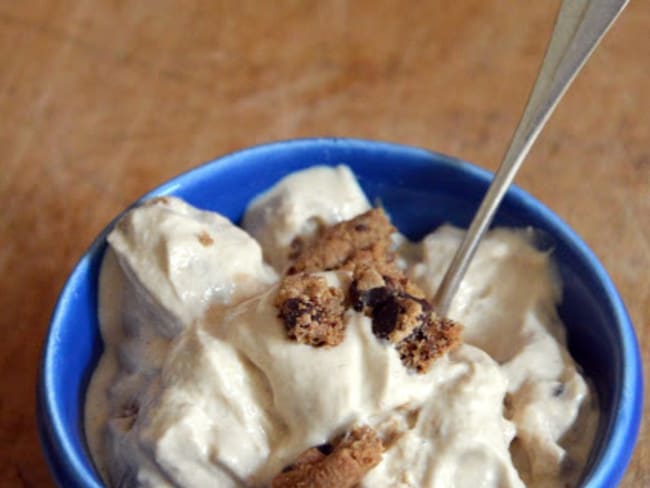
x=157 y=200
x=345 y=466
x=205 y=239
x=311 y=310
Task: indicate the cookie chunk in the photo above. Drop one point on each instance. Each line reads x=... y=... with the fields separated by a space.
x=401 y=314
x=395 y=304
x=428 y=342
x=365 y=237
x=342 y=464
x=311 y=310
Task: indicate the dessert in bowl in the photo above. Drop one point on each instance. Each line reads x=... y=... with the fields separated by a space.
x=420 y=191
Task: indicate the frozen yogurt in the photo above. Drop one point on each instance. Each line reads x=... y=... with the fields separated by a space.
x=302 y=350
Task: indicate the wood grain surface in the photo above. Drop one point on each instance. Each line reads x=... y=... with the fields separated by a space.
x=100 y=100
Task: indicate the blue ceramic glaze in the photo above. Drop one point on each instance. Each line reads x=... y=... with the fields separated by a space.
x=420 y=190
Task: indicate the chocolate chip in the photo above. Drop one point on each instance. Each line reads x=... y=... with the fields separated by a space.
x=384 y=317
x=376 y=296
x=361 y=227
x=326 y=448
x=292 y=309
x=373 y=297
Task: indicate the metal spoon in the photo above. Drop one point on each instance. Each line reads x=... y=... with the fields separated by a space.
x=579 y=26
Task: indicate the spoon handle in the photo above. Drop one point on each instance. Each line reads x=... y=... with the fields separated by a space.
x=579 y=26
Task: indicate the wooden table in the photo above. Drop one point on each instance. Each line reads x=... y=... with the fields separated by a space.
x=102 y=100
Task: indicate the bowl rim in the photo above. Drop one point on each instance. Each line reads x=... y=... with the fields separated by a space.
x=66 y=463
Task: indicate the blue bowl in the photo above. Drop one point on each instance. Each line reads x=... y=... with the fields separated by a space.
x=421 y=190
